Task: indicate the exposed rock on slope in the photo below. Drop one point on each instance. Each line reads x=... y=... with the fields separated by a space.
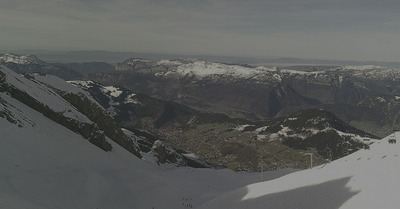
x=235 y=143
x=260 y=92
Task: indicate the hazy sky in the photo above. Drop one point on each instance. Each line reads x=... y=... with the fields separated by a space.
x=361 y=30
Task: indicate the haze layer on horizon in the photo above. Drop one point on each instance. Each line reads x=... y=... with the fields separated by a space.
x=362 y=30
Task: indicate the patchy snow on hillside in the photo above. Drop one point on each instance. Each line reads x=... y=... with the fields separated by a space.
x=289 y=71
x=130 y=99
x=354 y=136
x=85 y=84
x=363 y=67
x=112 y=91
x=242 y=127
x=380 y=99
x=284 y=132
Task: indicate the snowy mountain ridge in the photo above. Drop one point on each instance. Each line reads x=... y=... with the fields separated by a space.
x=198 y=68
x=259 y=92
x=23 y=60
x=47 y=165
x=201 y=69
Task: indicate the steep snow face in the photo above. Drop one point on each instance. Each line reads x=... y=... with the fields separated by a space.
x=48 y=166
x=22 y=60
x=42 y=92
x=57 y=83
x=365 y=179
x=12 y=113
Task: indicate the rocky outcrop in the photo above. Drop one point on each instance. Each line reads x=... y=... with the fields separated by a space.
x=165 y=154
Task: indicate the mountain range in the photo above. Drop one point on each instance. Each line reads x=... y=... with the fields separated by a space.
x=204 y=138
x=85 y=144
x=235 y=143
x=254 y=93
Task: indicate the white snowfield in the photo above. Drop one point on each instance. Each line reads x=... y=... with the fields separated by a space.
x=368 y=178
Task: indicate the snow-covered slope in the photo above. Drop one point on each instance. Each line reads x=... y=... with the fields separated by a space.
x=46 y=165
x=41 y=92
x=365 y=179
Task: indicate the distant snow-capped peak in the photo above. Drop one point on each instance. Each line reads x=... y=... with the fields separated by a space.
x=22 y=60
x=202 y=68
x=363 y=67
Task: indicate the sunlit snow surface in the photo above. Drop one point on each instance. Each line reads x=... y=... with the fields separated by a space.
x=365 y=179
